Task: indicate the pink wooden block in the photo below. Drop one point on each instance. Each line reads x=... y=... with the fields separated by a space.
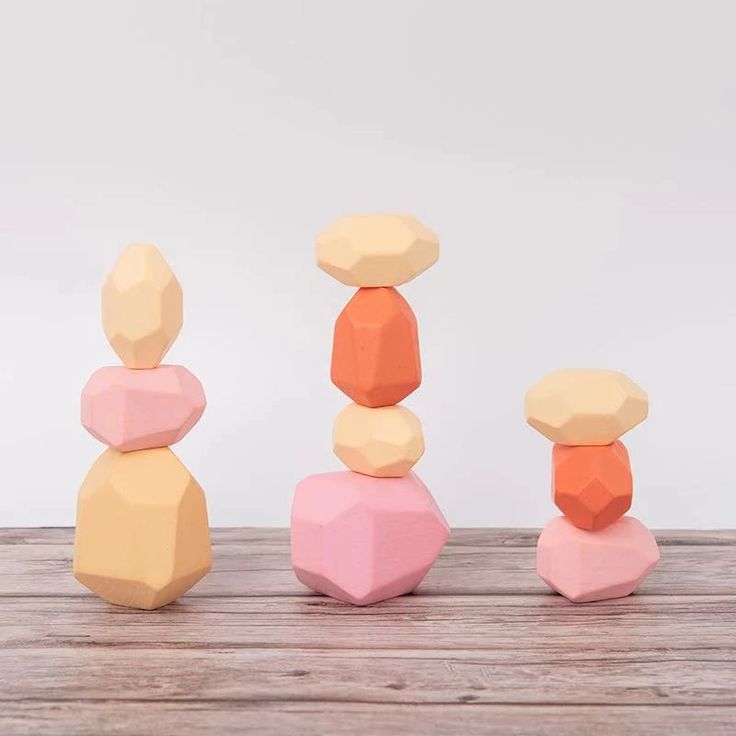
x=362 y=539
x=140 y=409
x=595 y=565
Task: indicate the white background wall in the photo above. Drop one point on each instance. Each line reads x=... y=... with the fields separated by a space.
x=577 y=159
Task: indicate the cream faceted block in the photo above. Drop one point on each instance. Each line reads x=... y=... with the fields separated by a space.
x=384 y=442
x=577 y=406
x=142 y=537
x=142 y=310
x=376 y=249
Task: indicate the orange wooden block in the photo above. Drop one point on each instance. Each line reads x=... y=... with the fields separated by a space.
x=592 y=485
x=375 y=351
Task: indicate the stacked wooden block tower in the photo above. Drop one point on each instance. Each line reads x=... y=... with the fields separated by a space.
x=142 y=537
x=593 y=552
x=374 y=531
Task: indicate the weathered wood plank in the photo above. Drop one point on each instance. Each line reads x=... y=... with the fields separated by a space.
x=636 y=677
x=484 y=648
x=350 y=719
x=544 y=626
x=264 y=569
x=498 y=537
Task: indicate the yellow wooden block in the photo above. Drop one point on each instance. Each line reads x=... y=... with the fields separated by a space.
x=142 y=537
x=376 y=250
x=142 y=309
x=579 y=406
x=384 y=442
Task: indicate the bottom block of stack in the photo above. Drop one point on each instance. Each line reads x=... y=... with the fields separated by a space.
x=595 y=565
x=142 y=537
x=362 y=539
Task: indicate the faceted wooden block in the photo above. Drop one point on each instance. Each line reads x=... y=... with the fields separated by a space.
x=592 y=485
x=585 y=406
x=141 y=409
x=141 y=307
x=361 y=539
x=376 y=250
x=142 y=538
x=594 y=566
x=384 y=442
x=375 y=350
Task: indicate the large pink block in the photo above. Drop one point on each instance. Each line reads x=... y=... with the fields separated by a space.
x=362 y=539
x=595 y=565
x=140 y=409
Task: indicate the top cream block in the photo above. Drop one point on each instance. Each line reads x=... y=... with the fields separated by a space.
x=142 y=310
x=376 y=250
x=585 y=406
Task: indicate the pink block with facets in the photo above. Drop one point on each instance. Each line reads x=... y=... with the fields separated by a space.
x=595 y=565
x=139 y=409
x=362 y=539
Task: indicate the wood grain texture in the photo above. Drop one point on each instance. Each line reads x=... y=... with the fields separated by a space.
x=482 y=647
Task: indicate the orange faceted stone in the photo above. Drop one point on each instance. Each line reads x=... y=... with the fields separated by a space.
x=592 y=485
x=375 y=351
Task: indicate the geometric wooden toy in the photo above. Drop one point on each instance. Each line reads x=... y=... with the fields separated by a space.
x=592 y=485
x=141 y=307
x=361 y=539
x=376 y=249
x=139 y=409
x=371 y=532
x=585 y=406
x=595 y=565
x=142 y=537
x=375 y=350
x=385 y=442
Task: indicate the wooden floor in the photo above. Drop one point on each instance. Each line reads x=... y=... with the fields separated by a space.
x=481 y=648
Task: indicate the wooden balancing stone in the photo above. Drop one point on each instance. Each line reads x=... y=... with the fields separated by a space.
x=593 y=552
x=371 y=532
x=142 y=537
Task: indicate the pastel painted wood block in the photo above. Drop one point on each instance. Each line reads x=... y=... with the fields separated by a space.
x=141 y=409
x=361 y=539
x=384 y=442
x=592 y=485
x=376 y=249
x=142 y=537
x=585 y=406
x=593 y=566
x=375 y=350
x=142 y=309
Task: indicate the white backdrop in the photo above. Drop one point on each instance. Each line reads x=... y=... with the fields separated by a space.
x=577 y=159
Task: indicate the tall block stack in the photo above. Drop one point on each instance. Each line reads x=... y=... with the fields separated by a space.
x=374 y=531
x=142 y=536
x=593 y=552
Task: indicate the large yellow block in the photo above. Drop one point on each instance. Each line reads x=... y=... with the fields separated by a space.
x=579 y=406
x=142 y=310
x=142 y=537
x=384 y=442
x=376 y=250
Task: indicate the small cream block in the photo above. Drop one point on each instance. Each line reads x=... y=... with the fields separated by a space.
x=142 y=307
x=376 y=249
x=578 y=406
x=384 y=442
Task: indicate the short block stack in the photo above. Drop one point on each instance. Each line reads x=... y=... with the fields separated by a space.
x=593 y=552
x=142 y=537
x=372 y=532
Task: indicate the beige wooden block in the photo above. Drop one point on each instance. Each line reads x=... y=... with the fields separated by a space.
x=376 y=249
x=578 y=406
x=142 y=537
x=384 y=442
x=142 y=308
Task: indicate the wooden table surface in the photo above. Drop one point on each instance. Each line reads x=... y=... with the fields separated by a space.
x=482 y=647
